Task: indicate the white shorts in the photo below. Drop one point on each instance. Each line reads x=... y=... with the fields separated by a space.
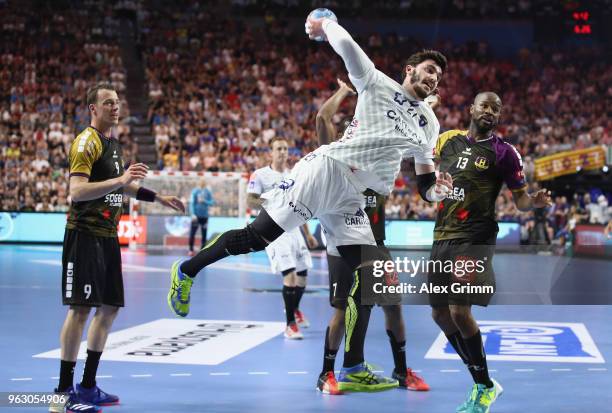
x=330 y=246
x=318 y=186
x=289 y=251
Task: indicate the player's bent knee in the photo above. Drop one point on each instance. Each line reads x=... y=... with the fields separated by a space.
x=266 y=228
x=243 y=241
x=461 y=315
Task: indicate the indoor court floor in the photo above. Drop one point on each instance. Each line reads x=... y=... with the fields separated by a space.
x=229 y=355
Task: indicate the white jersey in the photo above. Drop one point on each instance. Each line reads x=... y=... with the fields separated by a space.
x=388 y=125
x=289 y=250
x=265 y=179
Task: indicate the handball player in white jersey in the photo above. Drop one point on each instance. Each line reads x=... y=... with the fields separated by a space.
x=288 y=254
x=391 y=122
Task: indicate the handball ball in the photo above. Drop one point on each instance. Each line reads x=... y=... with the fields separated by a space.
x=320 y=14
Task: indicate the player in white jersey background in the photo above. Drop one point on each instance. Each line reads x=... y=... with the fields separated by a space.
x=288 y=254
x=391 y=123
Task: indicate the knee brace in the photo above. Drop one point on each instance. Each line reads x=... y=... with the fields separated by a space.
x=242 y=241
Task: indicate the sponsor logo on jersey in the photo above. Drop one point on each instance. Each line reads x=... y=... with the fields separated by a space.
x=402 y=127
x=310 y=157
x=300 y=209
x=458 y=194
x=467 y=151
x=358 y=219
x=400 y=98
x=422 y=121
x=370 y=201
x=411 y=110
x=481 y=163
x=115 y=154
x=114 y=200
x=286 y=184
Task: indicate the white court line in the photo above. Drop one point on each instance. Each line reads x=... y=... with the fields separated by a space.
x=180 y=374
x=22 y=379
x=219 y=374
x=449 y=371
x=54 y=378
x=297 y=372
x=104 y=377
x=598 y=369
x=523 y=370
x=258 y=373
x=141 y=375
x=419 y=371
x=492 y=371
x=560 y=369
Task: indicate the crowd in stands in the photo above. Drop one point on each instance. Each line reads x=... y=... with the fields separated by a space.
x=456 y=9
x=219 y=90
x=48 y=59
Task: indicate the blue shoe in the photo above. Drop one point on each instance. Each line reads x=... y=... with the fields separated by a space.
x=463 y=407
x=361 y=378
x=73 y=404
x=96 y=396
x=180 y=290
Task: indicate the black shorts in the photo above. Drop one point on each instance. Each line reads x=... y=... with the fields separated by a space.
x=91 y=270
x=461 y=272
x=341 y=280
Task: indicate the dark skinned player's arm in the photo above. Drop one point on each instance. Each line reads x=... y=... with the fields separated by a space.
x=326 y=131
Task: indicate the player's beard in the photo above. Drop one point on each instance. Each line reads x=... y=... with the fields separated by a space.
x=415 y=81
x=483 y=127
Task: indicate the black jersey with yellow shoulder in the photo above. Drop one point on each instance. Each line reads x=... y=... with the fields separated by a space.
x=98 y=158
x=375 y=208
x=479 y=168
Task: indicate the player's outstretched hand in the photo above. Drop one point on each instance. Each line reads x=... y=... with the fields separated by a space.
x=134 y=172
x=171 y=202
x=314 y=28
x=542 y=199
x=345 y=87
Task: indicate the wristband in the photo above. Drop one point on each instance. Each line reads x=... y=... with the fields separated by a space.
x=146 y=195
x=437 y=193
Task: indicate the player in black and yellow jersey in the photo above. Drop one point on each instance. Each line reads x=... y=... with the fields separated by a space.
x=465 y=233
x=91 y=259
x=341 y=276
